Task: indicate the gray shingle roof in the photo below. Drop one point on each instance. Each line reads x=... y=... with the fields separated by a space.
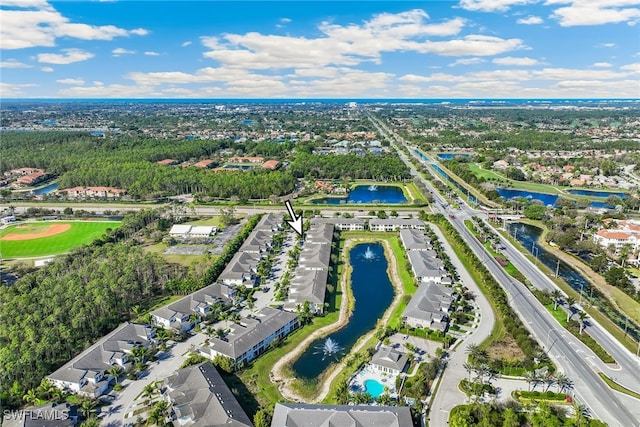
x=414 y=239
x=251 y=332
x=424 y=265
x=429 y=302
x=390 y=358
x=304 y=415
x=199 y=394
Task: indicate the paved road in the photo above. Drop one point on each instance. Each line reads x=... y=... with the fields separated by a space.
x=569 y=354
x=627 y=372
x=448 y=394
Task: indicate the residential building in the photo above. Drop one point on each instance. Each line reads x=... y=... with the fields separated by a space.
x=350 y=224
x=178 y=315
x=414 y=240
x=101 y=192
x=315 y=256
x=425 y=267
x=199 y=397
x=307 y=285
x=623 y=233
x=321 y=234
x=33 y=178
x=429 y=307
x=249 y=339
x=307 y=415
x=389 y=361
x=245 y=159
x=241 y=270
x=270 y=164
x=205 y=164
x=168 y=162
x=269 y=222
x=86 y=374
x=50 y=415
x=393 y=224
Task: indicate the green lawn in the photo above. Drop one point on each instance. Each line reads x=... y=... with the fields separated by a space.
x=80 y=233
x=519 y=185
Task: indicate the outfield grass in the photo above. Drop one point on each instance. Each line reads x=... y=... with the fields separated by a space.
x=80 y=233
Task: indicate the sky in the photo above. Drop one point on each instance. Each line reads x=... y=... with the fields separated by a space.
x=327 y=49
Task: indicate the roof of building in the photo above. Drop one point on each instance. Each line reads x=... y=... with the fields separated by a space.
x=99 y=357
x=167 y=162
x=269 y=222
x=202 y=230
x=414 y=239
x=306 y=415
x=390 y=358
x=319 y=233
x=425 y=265
x=201 y=398
x=49 y=415
x=429 y=301
x=252 y=331
x=336 y=220
x=202 y=298
x=396 y=221
x=204 y=163
x=308 y=285
x=270 y=164
x=180 y=229
x=315 y=256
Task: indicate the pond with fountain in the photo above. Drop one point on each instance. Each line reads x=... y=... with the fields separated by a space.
x=372 y=291
x=388 y=194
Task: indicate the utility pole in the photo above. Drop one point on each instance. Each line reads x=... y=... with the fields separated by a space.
x=557 y=268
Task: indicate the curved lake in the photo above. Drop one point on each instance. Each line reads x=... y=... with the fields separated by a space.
x=373 y=293
x=367 y=194
x=550 y=199
x=529 y=235
x=593 y=193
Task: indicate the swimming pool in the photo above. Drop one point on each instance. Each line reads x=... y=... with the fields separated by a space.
x=374 y=388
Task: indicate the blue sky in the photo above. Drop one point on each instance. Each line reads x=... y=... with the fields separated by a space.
x=307 y=49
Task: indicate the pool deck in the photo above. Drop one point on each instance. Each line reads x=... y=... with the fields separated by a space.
x=368 y=373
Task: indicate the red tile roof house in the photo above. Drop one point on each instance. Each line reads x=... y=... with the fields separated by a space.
x=32 y=178
x=106 y=192
x=204 y=163
x=270 y=164
x=167 y=162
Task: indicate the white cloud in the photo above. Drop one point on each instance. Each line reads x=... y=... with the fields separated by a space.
x=47 y=69
x=12 y=63
x=37 y=23
x=577 y=74
x=466 y=61
x=530 y=20
x=185 y=44
x=68 y=57
x=602 y=65
x=13 y=90
x=513 y=61
x=100 y=90
x=344 y=45
x=71 y=81
x=121 y=51
x=285 y=20
x=151 y=53
x=477 y=45
x=634 y=68
x=491 y=5
x=595 y=12
x=605 y=45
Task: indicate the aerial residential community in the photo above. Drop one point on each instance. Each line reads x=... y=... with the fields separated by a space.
x=277 y=214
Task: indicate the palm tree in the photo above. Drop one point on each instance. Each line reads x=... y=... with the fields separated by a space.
x=30 y=396
x=476 y=353
x=115 y=372
x=91 y=422
x=556 y=295
x=531 y=378
x=469 y=367
x=570 y=302
x=549 y=380
x=149 y=390
x=582 y=316
x=87 y=407
x=563 y=382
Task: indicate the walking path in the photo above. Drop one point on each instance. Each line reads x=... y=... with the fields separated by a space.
x=278 y=374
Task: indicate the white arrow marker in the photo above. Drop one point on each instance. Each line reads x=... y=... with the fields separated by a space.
x=296 y=222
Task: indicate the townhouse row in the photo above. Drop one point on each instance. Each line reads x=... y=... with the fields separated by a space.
x=430 y=305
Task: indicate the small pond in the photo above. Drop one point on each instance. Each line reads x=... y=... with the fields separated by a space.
x=388 y=194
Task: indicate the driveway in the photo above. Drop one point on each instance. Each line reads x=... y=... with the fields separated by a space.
x=113 y=415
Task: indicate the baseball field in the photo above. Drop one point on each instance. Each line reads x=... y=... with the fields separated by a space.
x=34 y=239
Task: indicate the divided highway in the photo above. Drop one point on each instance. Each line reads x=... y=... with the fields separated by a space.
x=571 y=356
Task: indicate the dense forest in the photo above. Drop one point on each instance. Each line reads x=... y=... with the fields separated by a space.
x=368 y=166
x=50 y=315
